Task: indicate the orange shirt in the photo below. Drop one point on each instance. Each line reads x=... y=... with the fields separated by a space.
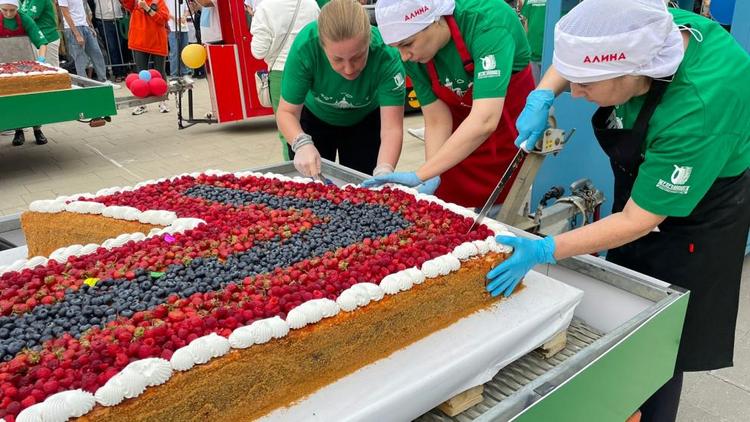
x=148 y=33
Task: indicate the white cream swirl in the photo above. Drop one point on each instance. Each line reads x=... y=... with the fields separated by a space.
x=465 y=250
x=85 y=207
x=47 y=206
x=311 y=312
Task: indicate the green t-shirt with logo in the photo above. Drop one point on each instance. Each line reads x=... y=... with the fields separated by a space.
x=310 y=79
x=43 y=14
x=701 y=129
x=496 y=41
x=535 y=11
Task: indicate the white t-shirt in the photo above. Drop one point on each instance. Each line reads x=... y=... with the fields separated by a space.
x=77 y=12
x=183 y=13
x=210 y=24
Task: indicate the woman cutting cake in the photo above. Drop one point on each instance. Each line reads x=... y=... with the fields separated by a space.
x=469 y=62
x=674 y=119
x=342 y=92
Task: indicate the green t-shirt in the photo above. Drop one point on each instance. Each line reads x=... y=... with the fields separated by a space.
x=322 y=3
x=496 y=41
x=701 y=129
x=43 y=14
x=535 y=11
x=35 y=35
x=310 y=79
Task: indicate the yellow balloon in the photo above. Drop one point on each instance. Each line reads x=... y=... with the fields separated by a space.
x=194 y=55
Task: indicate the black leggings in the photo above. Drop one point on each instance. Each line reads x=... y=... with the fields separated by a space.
x=357 y=145
x=663 y=404
x=142 y=59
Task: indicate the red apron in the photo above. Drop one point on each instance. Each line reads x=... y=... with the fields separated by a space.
x=471 y=181
x=7 y=33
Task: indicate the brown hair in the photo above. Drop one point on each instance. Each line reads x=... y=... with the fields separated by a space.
x=342 y=20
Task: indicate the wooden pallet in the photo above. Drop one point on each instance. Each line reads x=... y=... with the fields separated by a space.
x=463 y=401
x=555 y=344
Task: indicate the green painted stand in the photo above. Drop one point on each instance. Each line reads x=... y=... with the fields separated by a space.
x=40 y=108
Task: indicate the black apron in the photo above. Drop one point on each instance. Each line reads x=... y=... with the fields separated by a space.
x=702 y=252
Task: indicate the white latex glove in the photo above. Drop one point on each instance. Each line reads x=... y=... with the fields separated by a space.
x=382 y=169
x=307 y=160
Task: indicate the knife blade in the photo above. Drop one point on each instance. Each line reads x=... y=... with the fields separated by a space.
x=514 y=164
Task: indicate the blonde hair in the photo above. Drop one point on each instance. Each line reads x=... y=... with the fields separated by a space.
x=342 y=20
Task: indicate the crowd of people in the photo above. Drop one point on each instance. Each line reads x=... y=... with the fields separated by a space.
x=106 y=39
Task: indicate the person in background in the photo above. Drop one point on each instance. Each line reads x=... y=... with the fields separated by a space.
x=43 y=14
x=45 y=18
x=210 y=23
x=106 y=14
x=272 y=21
x=147 y=38
x=674 y=120
x=342 y=93
x=80 y=39
x=17 y=24
x=178 y=38
x=534 y=13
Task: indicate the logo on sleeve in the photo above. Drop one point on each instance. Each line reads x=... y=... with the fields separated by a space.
x=489 y=65
x=680 y=176
x=399 y=81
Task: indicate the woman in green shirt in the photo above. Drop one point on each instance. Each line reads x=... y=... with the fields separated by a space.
x=674 y=119
x=342 y=92
x=15 y=24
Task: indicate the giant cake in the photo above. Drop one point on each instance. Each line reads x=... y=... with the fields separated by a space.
x=30 y=76
x=248 y=292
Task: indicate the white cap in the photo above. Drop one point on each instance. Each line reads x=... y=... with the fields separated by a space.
x=10 y=2
x=400 y=19
x=605 y=39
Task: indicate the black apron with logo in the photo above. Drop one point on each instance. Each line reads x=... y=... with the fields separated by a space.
x=702 y=252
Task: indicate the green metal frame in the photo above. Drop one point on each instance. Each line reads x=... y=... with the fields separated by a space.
x=39 y=108
x=614 y=386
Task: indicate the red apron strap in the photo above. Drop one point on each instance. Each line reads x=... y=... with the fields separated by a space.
x=445 y=94
x=463 y=52
x=7 y=33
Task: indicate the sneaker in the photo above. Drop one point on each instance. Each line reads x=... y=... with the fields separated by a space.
x=139 y=110
x=113 y=85
x=187 y=80
x=163 y=108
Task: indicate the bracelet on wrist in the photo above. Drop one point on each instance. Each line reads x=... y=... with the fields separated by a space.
x=301 y=140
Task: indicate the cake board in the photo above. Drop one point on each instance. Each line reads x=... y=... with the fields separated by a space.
x=467 y=354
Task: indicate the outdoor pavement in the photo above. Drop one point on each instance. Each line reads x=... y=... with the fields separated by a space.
x=131 y=149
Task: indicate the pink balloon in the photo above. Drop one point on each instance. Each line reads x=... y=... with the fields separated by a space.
x=158 y=86
x=130 y=78
x=140 y=88
x=155 y=74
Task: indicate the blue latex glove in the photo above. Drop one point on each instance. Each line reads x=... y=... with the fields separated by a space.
x=532 y=122
x=41 y=59
x=430 y=186
x=526 y=253
x=409 y=179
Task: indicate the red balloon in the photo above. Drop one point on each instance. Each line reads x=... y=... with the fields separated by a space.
x=158 y=86
x=140 y=88
x=154 y=74
x=130 y=78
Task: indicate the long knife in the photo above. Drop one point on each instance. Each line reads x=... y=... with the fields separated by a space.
x=551 y=143
x=514 y=164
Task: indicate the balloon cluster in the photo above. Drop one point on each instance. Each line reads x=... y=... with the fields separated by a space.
x=146 y=83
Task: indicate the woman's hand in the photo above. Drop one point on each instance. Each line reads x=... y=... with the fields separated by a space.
x=307 y=160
